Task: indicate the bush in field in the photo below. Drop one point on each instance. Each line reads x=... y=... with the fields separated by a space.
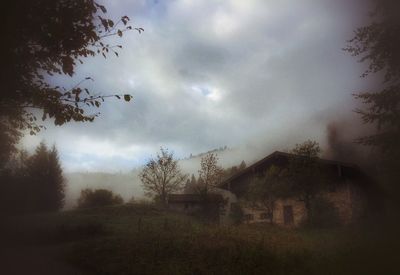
x=99 y=197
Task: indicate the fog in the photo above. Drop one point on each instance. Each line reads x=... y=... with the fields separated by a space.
x=337 y=138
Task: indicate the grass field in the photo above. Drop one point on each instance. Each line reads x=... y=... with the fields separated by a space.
x=142 y=239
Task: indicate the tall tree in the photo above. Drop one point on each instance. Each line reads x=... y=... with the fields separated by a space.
x=378 y=44
x=47 y=37
x=210 y=173
x=56 y=181
x=161 y=176
x=191 y=185
x=46 y=184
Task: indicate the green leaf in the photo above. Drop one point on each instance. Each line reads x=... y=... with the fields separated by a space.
x=103 y=9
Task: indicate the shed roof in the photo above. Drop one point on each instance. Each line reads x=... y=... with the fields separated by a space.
x=174 y=198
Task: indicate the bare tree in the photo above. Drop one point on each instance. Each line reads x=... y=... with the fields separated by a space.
x=162 y=176
x=210 y=174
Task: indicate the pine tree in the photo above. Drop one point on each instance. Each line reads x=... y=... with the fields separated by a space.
x=242 y=165
x=46 y=183
x=56 y=180
x=193 y=181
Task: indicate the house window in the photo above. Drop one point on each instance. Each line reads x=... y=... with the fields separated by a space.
x=265 y=216
x=249 y=217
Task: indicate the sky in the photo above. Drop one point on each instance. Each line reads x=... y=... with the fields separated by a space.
x=255 y=75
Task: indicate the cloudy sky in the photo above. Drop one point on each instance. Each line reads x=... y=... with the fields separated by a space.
x=206 y=74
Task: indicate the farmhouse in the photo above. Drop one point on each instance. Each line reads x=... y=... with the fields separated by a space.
x=348 y=193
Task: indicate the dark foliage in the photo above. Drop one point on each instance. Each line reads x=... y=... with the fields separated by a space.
x=33 y=183
x=378 y=44
x=96 y=198
x=44 y=38
x=236 y=214
x=304 y=175
x=45 y=174
x=266 y=189
x=322 y=214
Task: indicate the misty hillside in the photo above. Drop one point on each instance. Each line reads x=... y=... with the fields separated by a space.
x=127 y=184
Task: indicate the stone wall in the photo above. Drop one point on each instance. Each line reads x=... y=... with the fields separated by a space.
x=255 y=215
x=341 y=198
x=347 y=198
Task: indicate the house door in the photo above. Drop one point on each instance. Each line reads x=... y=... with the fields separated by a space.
x=288 y=215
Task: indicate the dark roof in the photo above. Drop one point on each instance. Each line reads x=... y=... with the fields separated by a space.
x=277 y=155
x=194 y=198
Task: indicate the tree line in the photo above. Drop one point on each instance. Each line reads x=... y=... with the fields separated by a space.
x=32 y=183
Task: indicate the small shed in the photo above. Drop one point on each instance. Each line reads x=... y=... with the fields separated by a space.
x=196 y=204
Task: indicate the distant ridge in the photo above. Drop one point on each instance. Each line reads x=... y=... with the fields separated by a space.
x=217 y=150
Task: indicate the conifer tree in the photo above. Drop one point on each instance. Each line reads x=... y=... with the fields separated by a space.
x=46 y=183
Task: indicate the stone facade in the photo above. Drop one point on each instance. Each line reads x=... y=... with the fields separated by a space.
x=255 y=215
x=282 y=210
x=347 y=199
x=347 y=192
x=342 y=200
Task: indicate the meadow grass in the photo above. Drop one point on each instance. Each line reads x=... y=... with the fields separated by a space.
x=144 y=239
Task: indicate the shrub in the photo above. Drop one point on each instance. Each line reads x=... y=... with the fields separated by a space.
x=99 y=197
x=236 y=213
x=322 y=214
